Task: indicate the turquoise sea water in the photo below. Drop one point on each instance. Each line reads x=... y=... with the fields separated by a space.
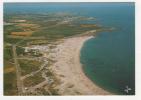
x=109 y=59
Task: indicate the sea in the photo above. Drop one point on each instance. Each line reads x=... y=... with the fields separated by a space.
x=109 y=58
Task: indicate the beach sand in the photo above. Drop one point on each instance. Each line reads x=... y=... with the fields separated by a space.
x=68 y=69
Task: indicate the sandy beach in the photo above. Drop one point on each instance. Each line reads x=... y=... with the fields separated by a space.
x=68 y=69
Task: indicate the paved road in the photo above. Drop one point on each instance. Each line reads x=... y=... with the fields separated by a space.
x=30 y=58
x=18 y=71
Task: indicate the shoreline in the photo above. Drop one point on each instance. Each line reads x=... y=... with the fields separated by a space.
x=68 y=69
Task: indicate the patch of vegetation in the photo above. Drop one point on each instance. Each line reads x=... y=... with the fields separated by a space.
x=10 y=87
x=8 y=53
x=33 y=80
x=19 y=50
x=9 y=67
x=12 y=28
x=64 y=30
x=10 y=40
x=38 y=42
x=28 y=66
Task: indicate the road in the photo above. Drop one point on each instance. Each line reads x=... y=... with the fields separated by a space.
x=30 y=58
x=18 y=71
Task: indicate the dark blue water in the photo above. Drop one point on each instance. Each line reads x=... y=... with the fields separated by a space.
x=108 y=59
